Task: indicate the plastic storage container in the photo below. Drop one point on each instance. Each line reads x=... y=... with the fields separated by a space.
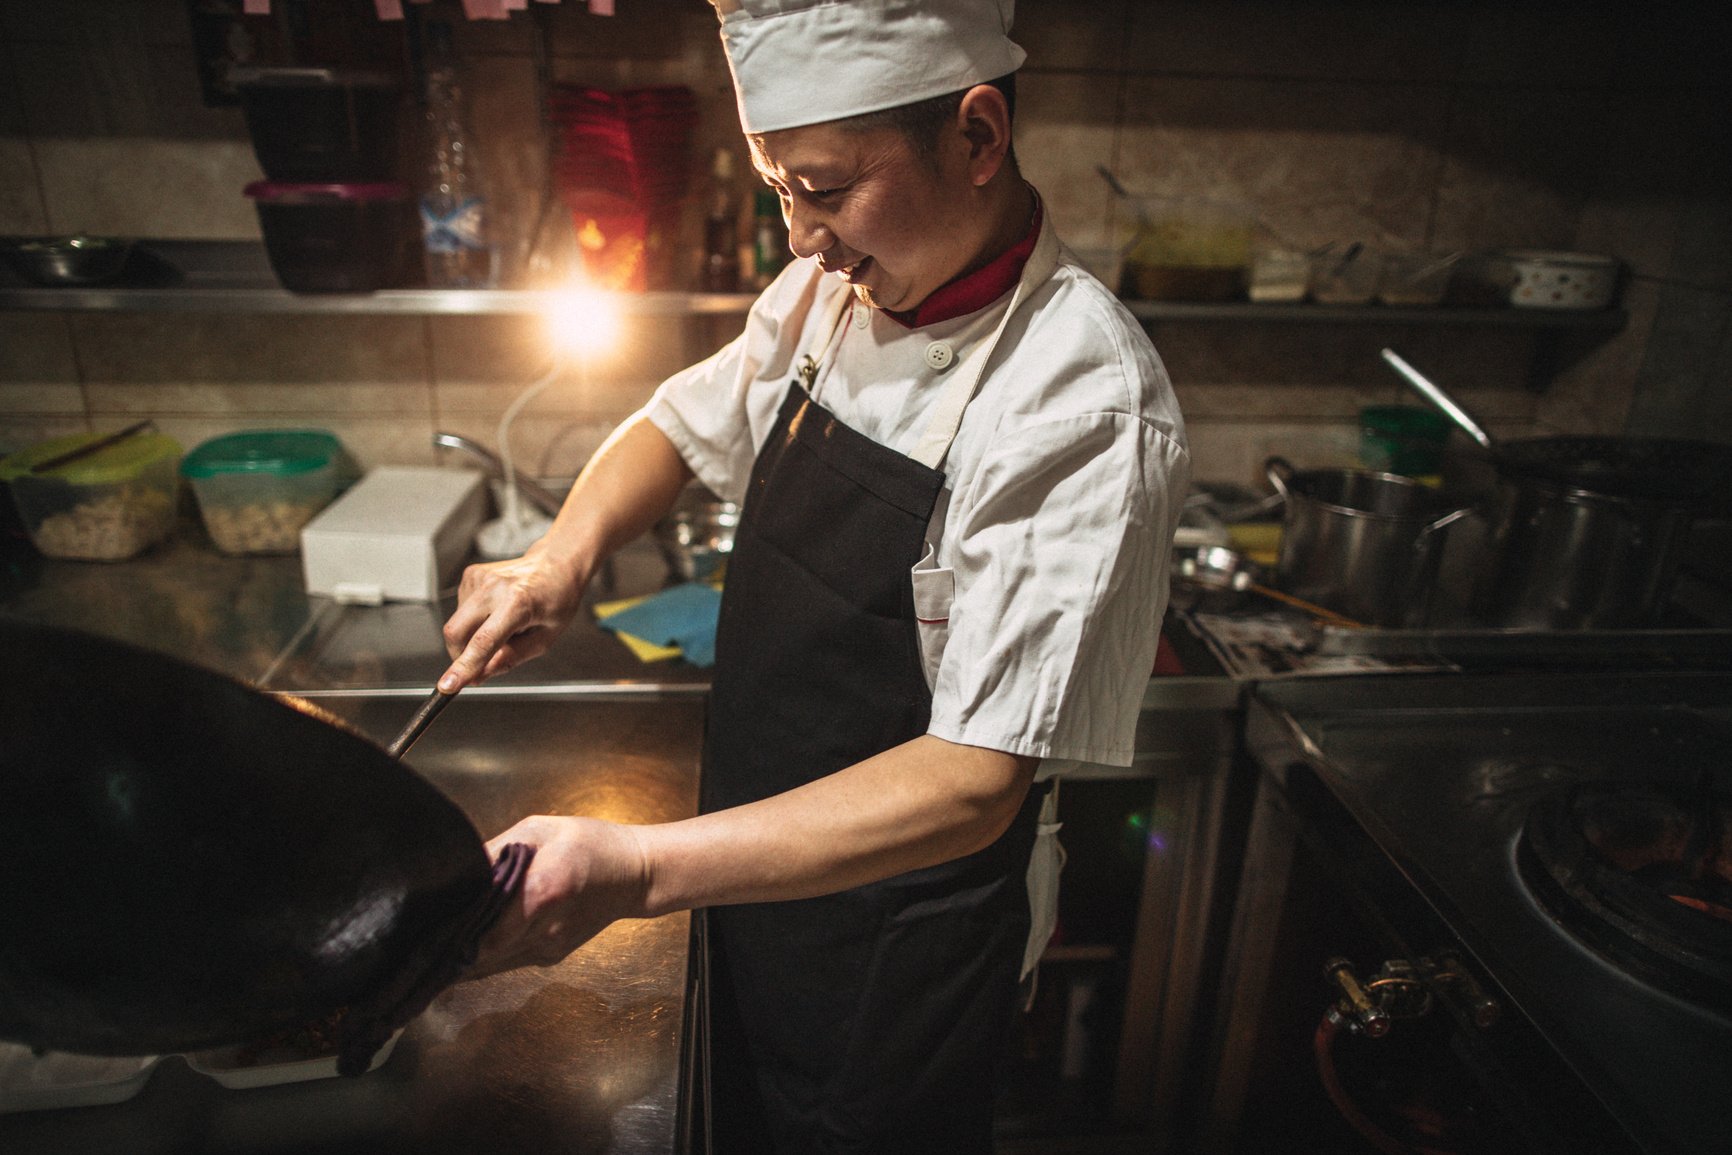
x=321 y=124
x=1188 y=250
x=109 y=506
x=335 y=238
x=1345 y=274
x=256 y=490
x=1280 y=276
x=1415 y=278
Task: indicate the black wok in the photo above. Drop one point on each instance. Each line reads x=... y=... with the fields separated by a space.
x=190 y=863
x=1694 y=477
x=1588 y=532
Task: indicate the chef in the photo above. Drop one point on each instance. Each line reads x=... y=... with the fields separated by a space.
x=960 y=464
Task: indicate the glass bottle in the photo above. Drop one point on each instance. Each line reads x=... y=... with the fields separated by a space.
x=769 y=238
x=455 y=231
x=721 y=267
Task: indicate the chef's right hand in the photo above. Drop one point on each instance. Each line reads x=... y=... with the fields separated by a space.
x=507 y=613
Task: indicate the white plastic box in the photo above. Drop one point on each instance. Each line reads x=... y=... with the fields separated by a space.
x=398 y=535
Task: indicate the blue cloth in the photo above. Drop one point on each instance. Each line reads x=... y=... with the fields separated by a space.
x=683 y=616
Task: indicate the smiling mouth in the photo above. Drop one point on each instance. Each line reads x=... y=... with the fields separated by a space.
x=852 y=273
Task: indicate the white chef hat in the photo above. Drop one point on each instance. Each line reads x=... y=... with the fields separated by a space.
x=799 y=62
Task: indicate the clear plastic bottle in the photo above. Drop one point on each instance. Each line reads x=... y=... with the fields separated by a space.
x=721 y=267
x=455 y=231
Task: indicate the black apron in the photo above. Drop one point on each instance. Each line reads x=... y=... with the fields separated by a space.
x=871 y=1020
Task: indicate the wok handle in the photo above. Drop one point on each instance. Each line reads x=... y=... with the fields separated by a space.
x=1438 y=398
x=418 y=723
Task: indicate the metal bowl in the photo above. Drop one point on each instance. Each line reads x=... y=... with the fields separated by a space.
x=80 y=260
x=697 y=536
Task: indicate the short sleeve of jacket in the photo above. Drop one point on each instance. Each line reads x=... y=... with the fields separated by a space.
x=1064 y=534
x=719 y=411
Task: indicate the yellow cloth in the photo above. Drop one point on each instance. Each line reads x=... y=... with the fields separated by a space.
x=645 y=651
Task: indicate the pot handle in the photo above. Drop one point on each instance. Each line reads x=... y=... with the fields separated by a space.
x=1447 y=519
x=1280 y=473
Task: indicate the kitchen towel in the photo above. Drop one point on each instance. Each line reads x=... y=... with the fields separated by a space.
x=370 y=1024
x=682 y=615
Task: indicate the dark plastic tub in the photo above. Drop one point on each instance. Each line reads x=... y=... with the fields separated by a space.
x=320 y=124
x=335 y=238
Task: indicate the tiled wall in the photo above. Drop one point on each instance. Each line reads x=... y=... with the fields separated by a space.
x=1442 y=126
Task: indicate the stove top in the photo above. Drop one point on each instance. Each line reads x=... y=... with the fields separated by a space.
x=1642 y=873
x=1442 y=772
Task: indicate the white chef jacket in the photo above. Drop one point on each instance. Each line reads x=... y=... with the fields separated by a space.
x=1041 y=599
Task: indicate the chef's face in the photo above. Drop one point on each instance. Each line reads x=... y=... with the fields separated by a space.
x=892 y=223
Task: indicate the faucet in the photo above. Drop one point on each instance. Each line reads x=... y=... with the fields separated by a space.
x=533 y=491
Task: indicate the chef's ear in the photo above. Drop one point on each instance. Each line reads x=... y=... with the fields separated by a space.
x=984 y=118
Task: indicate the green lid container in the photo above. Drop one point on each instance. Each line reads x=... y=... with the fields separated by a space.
x=269 y=452
x=258 y=489
x=1405 y=439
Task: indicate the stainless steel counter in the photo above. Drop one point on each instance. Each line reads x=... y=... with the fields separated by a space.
x=586 y=1056
x=251 y=618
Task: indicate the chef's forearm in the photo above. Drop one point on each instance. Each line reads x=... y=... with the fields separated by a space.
x=629 y=483
x=918 y=804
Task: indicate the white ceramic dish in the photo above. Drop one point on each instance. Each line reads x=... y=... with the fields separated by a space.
x=223 y=1065
x=1561 y=280
x=31 y=1082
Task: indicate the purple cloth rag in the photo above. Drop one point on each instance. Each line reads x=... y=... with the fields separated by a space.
x=371 y=1024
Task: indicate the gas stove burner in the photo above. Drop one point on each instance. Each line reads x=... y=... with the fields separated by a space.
x=1643 y=874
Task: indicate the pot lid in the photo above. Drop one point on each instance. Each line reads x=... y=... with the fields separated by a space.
x=264 y=451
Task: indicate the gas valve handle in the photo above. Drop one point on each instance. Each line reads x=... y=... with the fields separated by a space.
x=1365 y=1014
x=1461 y=988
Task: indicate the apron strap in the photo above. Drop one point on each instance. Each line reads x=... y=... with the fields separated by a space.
x=946 y=416
x=812 y=367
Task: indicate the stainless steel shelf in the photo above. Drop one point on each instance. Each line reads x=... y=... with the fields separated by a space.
x=1600 y=320
x=169 y=276
x=412 y=302
x=235 y=277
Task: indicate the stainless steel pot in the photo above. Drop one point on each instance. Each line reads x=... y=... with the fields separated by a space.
x=1363 y=544
x=1566 y=558
x=1587 y=532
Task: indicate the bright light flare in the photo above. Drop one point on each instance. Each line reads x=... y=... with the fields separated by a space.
x=582 y=322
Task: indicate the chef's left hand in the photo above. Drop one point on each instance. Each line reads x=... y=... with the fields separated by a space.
x=585 y=874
